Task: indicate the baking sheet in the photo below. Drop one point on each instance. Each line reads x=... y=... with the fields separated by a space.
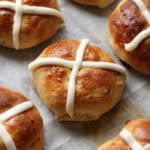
x=80 y=22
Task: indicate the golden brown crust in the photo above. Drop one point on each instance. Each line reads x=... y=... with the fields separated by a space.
x=97 y=90
x=34 y=29
x=124 y=24
x=98 y=3
x=139 y=128
x=26 y=129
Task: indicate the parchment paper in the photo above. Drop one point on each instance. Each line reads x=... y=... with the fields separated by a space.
x=80 y=22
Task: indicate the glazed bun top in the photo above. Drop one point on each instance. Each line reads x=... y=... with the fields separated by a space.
x=98 y=3
x=26 y=23
x=130 y=33
x=133 y=20
x=135 y=135
x=85 y=61
x=21 y=124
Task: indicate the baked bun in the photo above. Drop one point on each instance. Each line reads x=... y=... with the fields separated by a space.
x=26 y=23
x=129 y=27
x=21 y=126
x=73 y=89
x=135 y=135
x=98 y=3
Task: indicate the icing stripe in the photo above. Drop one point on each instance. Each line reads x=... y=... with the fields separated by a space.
x=42 y=11
x=21 y=9
x=105 y=65
x=143 y=34
x=128 y=137
x=131 y=141
x=67 y=63
x=6 y=137
x=143 y=9
x=137 y=40
x=72 y=80
x=15 y=110
x=8 y=5
x=17 y=24
x=50 y=61
x=37 y=10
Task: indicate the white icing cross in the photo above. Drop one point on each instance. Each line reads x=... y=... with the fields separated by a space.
x=75 y=66
x=143 y=34
x=6 y=137
x=131 y=141
x=25 y=9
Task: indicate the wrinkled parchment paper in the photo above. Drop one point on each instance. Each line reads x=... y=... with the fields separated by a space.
x=80 y=22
